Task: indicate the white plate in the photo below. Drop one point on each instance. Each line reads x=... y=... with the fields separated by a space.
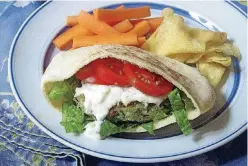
x=30 y=51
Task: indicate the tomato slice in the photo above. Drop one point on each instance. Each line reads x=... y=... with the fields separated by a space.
x=147 y=82
x=107 y=71
x=103 y=61
x=112 y=73
x=89 y=70
x=85 y=72
x=164 y=84
x=96 y=80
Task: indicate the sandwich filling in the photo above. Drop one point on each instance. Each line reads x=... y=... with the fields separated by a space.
x=100 y=99
x=109 y=96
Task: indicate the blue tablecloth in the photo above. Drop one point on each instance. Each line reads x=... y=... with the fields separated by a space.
x=19 y=137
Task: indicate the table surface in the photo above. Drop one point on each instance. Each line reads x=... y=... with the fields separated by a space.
x=12 y=16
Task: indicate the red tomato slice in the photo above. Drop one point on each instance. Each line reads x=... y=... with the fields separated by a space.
x=164 y=84
x=103 y=61
x=89 y=70
x=142 y=73
x=85 y=72
x=96 y=80
x=112 y=73
x=147 y=82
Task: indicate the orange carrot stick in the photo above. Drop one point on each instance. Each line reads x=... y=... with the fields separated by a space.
x=141 y=41
x=122 y=14
x=134 y=22
x=123 y=39
x=112 y=23
x=71 y=20
x=64 y=39
x=91 y=23
x=123 y=26
x=117 y=8
x=153 y=22
x=141 y=28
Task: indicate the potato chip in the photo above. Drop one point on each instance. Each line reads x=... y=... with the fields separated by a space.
x=211 y=70
x=180 y=57
x=167 y=12
x=174 y=37
x=194 y=58
x=151 y=44
x=217 y=58
x=205 y=48
x=227 y=49
x=207 y=36
x=186 y=57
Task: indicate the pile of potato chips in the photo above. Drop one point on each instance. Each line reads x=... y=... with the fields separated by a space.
x=209 y=50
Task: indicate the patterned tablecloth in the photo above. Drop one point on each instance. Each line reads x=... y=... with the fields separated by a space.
x=23 y=143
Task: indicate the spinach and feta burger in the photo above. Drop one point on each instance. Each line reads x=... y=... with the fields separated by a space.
x=102 y=90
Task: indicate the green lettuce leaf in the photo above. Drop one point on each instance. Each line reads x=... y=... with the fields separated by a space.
x=148 y=127
x=72 y=118
x=89 y=118
x=178 y=109
x=189 y=106
x=79 y=100
x=167 y=105
x=65 y=89
x=108 y=128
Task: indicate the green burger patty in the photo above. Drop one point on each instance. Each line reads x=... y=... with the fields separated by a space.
x=137 y=112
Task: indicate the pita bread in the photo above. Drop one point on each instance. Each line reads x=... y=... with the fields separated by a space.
x=66 y=63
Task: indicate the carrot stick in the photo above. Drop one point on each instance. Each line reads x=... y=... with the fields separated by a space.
x=123 y=26
x=141 y=41
x=147 y=19
x=112 y=23
x=117 y=8
x=134 y=22
x=141 y=28
x=122 y=14
x=71 y=20
x=91 y=23
x=64 y=39
x=153 y=22
x=123 y=39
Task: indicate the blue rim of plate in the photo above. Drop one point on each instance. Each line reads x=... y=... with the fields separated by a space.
x=129 y=4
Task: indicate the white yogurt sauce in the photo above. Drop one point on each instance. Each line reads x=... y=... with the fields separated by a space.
x=99 y=99
x=92 y=130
